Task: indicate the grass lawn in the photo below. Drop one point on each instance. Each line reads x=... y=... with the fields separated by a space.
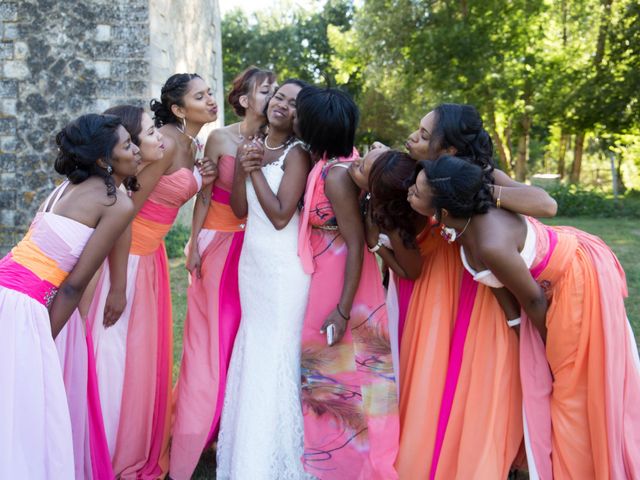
x=622 y=235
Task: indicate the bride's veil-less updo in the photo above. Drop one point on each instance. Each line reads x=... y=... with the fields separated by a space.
x=82 y=142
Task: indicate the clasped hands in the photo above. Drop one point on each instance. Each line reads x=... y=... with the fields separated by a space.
x=250 y=155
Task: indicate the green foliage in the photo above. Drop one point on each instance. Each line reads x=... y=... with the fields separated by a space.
x=575 y=201
x=176 y=239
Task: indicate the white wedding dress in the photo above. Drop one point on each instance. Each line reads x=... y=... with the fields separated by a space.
x=261 y=430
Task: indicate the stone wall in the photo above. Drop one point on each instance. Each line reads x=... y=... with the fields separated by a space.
x=62 y=58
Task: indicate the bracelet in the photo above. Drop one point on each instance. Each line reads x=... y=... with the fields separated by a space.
x=514 y=322
x=376 y=247
x=346 y=319
x=499 y=194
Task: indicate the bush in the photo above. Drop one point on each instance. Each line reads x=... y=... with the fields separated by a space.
x=176 y=239
x=576 y=201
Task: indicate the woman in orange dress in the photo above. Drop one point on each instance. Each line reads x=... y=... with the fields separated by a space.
x=444 y=401
x=579 y=361
x=213 y=302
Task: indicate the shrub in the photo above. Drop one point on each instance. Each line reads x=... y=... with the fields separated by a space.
x=576 y=201
x=176 y=239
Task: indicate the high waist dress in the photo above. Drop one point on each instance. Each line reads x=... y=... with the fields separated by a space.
x=349 y=395
x=261 y=427
x=213 y=317
x=35 y=427
x=134 y=357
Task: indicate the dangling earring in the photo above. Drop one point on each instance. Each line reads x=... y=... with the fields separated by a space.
x=182 y=126
x=109 y=169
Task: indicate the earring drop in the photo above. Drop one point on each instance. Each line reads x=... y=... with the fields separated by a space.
x=109 y=169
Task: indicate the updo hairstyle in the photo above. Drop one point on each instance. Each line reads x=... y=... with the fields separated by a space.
x=461 y=127
x=82 y=142
x=172 y=93
x=457 y=186
x=245 y=84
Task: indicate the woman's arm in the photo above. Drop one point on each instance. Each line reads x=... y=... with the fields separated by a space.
x=112 y=223
x=201 y=206
x=507 y=265
x=247 y=159
x=521 y=198
x=281 y=206
x=117 y=299
x=343 y=195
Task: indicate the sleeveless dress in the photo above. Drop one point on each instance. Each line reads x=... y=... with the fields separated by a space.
x=35 y=427
x=349 y=395
x=459 y=375
x=261 y=427
x=134 y=356
x=213 y=317
x=582 y=389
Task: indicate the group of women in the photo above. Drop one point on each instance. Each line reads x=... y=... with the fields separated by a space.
x=495 y=342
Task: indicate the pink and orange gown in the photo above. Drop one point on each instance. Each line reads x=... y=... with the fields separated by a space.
x=582 y=389
x=35 y=426
x=349 y=396
x=213 y=317
x=460 y=397
x=134 y=357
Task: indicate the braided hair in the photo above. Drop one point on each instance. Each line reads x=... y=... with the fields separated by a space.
x=172 y=93
x=82 y=143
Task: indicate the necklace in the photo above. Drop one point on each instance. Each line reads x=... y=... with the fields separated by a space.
x=266 y=144
x=450 y=234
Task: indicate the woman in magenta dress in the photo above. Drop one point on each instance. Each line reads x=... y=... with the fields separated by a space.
x=41 y=282
x=213 y=303
x=134 y=356
x=349 y=396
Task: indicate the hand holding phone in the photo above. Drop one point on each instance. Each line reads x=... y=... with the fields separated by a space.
x=331 y=332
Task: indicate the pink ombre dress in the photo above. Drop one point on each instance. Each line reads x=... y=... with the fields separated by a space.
x=213 y=317
x=134 y=356
x=349 y=396
x=35 y=427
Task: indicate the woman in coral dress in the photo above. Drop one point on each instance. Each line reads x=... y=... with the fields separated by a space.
x=349 y=396
x=213 y=303
x=579 y=360
x=41 y=282
x=134 y=357
x=445 y=399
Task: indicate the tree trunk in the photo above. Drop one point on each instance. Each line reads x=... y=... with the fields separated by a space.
x=504 y=162
x=562 y=153
x=577 y=158
x=523 y=149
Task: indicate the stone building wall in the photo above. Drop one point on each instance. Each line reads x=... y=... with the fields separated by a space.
x=62 y=58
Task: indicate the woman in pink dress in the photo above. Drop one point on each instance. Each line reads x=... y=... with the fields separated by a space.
x=134 y=356
x=213 y=303
x=75 y=343
x=41 y=282
x=349 y=396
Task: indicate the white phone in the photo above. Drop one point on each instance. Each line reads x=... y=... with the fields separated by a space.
x=331 y=332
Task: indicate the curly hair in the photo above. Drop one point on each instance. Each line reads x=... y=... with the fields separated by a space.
x=247 y=82
x=460 y=126
x=389 y=179
x=457 y=186
x=84 y=141
x=172 y=93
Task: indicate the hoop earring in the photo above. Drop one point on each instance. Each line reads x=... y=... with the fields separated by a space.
x=182 y=125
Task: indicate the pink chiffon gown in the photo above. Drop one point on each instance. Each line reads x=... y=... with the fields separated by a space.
x=213 y=317
x=35 y=426
x=349 y=395
x=134 y=357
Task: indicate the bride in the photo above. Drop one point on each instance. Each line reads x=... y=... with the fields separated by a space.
x=261 y=427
